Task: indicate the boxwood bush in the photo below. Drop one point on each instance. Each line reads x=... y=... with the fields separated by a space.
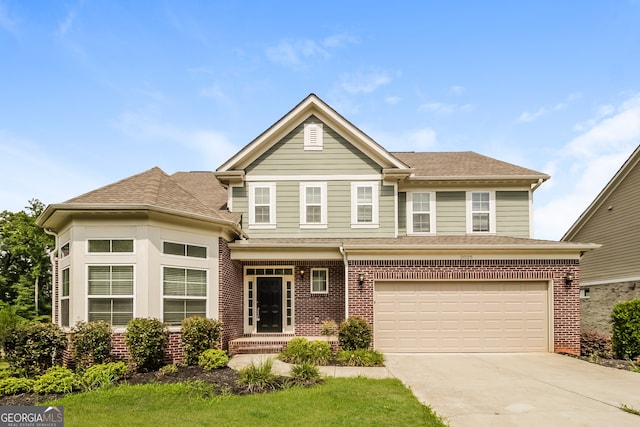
x=199 y=334
x=91 y=343
x=146 y=341
x=301 y=350
x=58 y=379
x=213 y=359
x=354 y=334
x=625 y=336
x=32 y=348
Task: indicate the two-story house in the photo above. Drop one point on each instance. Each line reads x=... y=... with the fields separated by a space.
x=312 y=221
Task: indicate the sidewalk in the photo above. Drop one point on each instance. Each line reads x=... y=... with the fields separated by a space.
x=241 y=360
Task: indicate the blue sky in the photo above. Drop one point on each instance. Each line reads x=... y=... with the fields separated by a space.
x=95 y=91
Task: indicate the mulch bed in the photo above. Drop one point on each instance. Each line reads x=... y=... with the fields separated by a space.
x=625 y=365
x=224 y=381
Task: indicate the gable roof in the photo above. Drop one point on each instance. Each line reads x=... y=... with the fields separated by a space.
x=463 y=165
x=612 y=185
x=311 y=105
x=182 y=194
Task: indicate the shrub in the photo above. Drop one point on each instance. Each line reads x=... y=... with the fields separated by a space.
x=213 y=359
x=300 y=350
x=199 y=334
x=9 y=320
x=328 y=327
x=12 y=385
x=258 y=377
x=361 y=357
x=33 y=348
x=91 y=342
x=354 y=334
x=594 y=343
x=58 y=379
x=305 y=374
x=625 y=335
x=167 y=369
x=146 y=340
x=103 y=375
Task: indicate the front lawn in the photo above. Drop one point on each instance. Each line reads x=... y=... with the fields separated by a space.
x=337 y=402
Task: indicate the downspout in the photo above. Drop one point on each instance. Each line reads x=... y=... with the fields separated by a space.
x=346 y=282
x=54 y=268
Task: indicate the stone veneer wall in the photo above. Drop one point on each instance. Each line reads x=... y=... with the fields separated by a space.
x=566 y=300
x=231 y=294
x=596 y=310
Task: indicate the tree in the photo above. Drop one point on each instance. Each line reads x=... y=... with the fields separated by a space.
x=25 y=262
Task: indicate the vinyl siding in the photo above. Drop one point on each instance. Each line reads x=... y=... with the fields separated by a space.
x=512 y=213
x=402 y=214
x=288 y=157
x=451 y=212
x=617 y=230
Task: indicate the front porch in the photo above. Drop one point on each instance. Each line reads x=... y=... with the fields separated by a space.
x=261 y=344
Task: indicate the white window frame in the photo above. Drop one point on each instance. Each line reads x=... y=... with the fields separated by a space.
x=431 y=212
x=68 y=244
x=584 y=293
x=111 y=296
x=64 y=297
x=374 y=201
x=304 y=204
x=272 y=206
x=326 y=281
x=186 y=250
x=313 y=137
x=491 y=212
x=204 y=298
x=111 y=239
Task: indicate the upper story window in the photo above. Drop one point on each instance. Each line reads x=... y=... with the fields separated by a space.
x=364 y=204
x=183 y=249
x=262 y=205
x=110 y=245
x=313 y=205
x=319 y=280
x=481 y=212
x=420 y=212
x=65 y=250
x=313 y=136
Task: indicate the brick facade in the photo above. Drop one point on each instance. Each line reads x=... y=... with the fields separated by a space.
x=596 y=310
x=174 y=347
x=231 y=288
x=566 y=305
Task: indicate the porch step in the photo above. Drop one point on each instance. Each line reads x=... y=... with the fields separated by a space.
x=269 y=344
x=258 y=349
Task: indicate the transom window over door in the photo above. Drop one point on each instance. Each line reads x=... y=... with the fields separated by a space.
x=313 y=205
x=110 y=290
x=421 y=212
x=481 y=212
x=262 y=204
x=364 y=204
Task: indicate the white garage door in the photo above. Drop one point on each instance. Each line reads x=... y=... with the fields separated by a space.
x=461 y=316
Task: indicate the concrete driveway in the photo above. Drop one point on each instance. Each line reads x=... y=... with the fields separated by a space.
x=539 y=389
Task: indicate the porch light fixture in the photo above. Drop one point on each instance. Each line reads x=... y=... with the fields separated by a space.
x=568 y=278
x=361 y=279
x=302 y=273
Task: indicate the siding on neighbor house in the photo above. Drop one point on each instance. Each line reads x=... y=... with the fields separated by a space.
x=512 y=213
x=617 y=230
x=288 y=157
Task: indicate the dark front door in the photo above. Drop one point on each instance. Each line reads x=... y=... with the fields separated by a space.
x=269 y=304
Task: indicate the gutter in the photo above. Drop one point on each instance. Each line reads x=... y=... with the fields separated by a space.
x=346 y=281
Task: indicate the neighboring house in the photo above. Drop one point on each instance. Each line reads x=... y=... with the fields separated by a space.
x=612 y=273
x=314 y=221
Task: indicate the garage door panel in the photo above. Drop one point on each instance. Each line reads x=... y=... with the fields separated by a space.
x=461 y=316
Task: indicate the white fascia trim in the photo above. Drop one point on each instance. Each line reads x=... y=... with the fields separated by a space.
x=262 y=178
x=492 y=212
x=323 y=205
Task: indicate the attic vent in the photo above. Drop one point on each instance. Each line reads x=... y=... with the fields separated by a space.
x=313 y=136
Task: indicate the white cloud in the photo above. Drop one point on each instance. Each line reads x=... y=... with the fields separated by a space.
x=457 y=90
x=444 y=108
x=296 y=53
x=585 y=165
x=214 y=146
x=364 y=82
x=67 y=22
x=527 y=117
x=392 y=100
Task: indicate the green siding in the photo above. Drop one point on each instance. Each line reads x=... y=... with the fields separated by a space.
x=288 y=157
x=451 y=214
x=402 y=214
x=512 y=213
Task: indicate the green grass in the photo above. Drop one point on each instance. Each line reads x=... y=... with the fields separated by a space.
x=337 y=402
